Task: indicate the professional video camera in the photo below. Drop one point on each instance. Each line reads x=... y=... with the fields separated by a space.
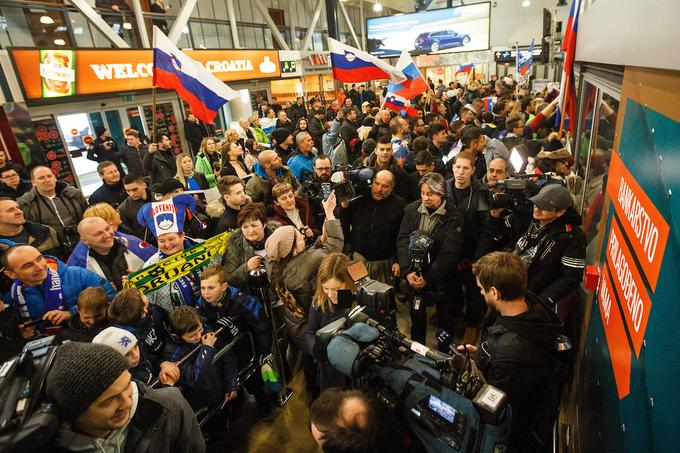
x=514 y=193
x=350 y=183
x=446 y=404
x=27 y=422
x=377 y=297
x=419 y=252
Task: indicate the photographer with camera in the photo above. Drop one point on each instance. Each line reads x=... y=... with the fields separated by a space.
x=515 y=352
x=105 y=148
x=428 y=246
x=101 y=408
x=375 y=217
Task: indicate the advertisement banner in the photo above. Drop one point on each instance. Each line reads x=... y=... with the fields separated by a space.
x=52 y=73
x=460 y=29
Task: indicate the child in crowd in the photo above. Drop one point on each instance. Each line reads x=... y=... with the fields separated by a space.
x=202 y=381
x=224 y=305
x=90 y=318
x=130 y=311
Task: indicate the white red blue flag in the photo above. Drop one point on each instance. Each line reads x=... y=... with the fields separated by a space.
x=353 y=65
x=523 y=62
x=173 y=69
x=567 y=100
x=399 y=104
x=414 y=84
x=466 y=68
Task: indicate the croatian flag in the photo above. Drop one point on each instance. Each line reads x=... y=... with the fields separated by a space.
x=466 y=68
x=414 y=84
x=173 y=69
x=354 y=65
x=567 y=100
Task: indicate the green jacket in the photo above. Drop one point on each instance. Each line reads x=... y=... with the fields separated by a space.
x=260 y=135
x=203 y=166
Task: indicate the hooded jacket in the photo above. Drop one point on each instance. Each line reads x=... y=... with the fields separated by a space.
x=151 y=334
x=76 y=331
x=555 y=256
x=239 y=251
x=259 y=187
x=515 y=354
x=477 y=239
x=128 y=215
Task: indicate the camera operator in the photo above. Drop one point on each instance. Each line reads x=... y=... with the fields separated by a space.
x=470 y=197
x=344 y=421
x=383 y=159
x=515 y=352
x=435 y=218
x=105 y=148
x=102 y=409
x=495 y=171
x=371 y=225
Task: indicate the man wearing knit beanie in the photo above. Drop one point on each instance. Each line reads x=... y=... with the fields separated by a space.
x=102 y=409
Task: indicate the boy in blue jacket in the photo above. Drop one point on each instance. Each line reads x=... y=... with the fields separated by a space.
x=202 y=382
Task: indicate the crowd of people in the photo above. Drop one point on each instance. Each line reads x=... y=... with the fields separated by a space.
x=428 y=222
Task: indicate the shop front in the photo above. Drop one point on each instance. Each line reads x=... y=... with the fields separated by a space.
x=317 y=77
x=68 y=94
x=446 y=67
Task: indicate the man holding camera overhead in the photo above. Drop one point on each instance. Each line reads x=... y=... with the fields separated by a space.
x=428 y=247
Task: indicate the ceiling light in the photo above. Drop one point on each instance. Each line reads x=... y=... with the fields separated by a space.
x=185 y=30
x=526 y=3
x=46 y=20
x=377 y=7
x=127 y=25
x=59 y=42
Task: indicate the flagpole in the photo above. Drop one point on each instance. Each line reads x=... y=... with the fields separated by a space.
x=562 y=111
x=153 y=114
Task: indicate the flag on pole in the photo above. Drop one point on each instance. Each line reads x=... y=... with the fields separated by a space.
x=414 y=84
x=399 y=104
x=466 y=68
x=566 y=104
x=173 y=69
x=353 y=65
x=523 y=63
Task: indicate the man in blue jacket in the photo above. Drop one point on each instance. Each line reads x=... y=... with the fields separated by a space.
x=301 y=163
x=44 y=288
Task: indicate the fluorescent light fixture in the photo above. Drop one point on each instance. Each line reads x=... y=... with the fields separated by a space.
x=78 y=31
x=526 y=3
x=127 y=25
x=59 y=42
x=245 y=96
x=46 y=20
x=377 y=7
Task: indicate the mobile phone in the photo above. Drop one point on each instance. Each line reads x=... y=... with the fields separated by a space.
x=326 y=190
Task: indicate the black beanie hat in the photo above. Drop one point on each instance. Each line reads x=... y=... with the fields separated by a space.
x=169 y=185
x=280 y=135
x=80 y=373
x=99 y=131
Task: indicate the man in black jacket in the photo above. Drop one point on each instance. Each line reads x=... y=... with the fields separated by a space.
x=515 y=352
x=134 y=153
x=12 y=185
x=6 y=163
x=348 y=132
x=371 y=225
x=383 y=159
x=470 y=197
x=193 y=133
x=432 y=216
x=138 y=195
x=160 y=161
x=554 y=247
x=111 y=191
x=105 y=148
x=316 y=128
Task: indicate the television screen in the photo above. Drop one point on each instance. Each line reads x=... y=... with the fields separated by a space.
x=459 y=29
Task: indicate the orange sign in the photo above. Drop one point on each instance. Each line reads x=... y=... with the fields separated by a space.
x=629 y=285
x=643 y=223
x=113 y=70
x=619 y=351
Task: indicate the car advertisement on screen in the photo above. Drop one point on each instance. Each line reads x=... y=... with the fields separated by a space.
x=459 y=29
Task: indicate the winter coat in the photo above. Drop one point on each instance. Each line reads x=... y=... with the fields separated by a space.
x=113 y=194
x=348 y=132
x=259 y=187
x=515 y=354
x=160 y=165
x=128 y=215
x=194 y=135
x=402 y=186
x=239 y=251
x=371 y=227
x=74 y=330
x=333 y=146
x=203 y=383
x=477 y=238
x=316 y=130
x=302 y=166
x=260 y=135
x=151 y=333
x=304 y=211
x=445 y=252
x=74 y=280
x=299 y=274
x=555 y=256
x=44 y=238
x=39 y=209
x=328 y=376
x=245 y=311
x=224 y=216
x=23 y=187
x=99 y=153
x=204 y=166
x=228 y=168
x=133 y=158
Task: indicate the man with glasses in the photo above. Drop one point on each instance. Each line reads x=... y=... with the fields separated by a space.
x=12 y=186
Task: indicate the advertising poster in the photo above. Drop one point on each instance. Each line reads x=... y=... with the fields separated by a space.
x=459 y=29
x=57 y=73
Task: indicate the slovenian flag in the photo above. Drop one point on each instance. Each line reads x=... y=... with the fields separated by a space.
x=414 y=84
x=173 y=69
x=354 y=65
x=525 y=60
x=567 y=99
x=398 y=104
x=466 y=68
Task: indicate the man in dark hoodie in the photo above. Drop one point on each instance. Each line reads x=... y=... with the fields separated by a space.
x=12 y=185
x=470 y=197
x=515 y=352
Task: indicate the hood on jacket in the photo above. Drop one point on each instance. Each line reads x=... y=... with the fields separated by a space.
x=539 y=324
x=259 y=171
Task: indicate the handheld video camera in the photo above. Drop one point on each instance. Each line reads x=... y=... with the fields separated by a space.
x=377 y=297
x=351 y=183
x=514 y=193
x=445 y=403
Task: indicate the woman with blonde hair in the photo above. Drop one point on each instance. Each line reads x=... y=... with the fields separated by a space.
x=190 y=179
x=331 y=281
x=105 y=211
x=208 y=160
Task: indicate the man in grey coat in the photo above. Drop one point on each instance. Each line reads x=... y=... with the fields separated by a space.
x=102 y=409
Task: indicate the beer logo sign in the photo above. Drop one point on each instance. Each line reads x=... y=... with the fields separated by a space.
x=57 y=73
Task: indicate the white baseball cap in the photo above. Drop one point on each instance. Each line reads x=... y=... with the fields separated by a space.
x=119 y=339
